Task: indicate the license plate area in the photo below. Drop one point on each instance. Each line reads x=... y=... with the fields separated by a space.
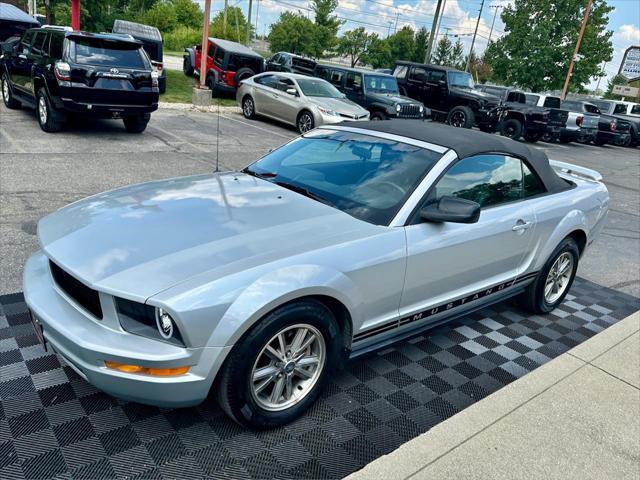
x=37 y=327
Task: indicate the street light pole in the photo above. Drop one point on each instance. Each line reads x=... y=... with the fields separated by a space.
x=473 y=41
x=249 y=23
x=493 y=22
x=205 y=43
x=427 y=55
x=577 y=49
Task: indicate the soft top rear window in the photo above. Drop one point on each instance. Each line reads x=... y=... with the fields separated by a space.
x=237 y=61
x=107 y=53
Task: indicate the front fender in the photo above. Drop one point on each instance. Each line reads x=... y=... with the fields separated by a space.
x=192 y=56
x=277 y=288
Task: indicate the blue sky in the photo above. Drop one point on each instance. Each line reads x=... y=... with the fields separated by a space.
x=384 y=16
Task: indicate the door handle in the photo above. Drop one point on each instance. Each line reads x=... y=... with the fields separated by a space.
x=521 y=225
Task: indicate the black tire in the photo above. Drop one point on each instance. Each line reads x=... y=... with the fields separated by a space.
x=511 y=128
x=461 y=117
x=533 y=298
x=233 y=385
x=533 y=137
x=627 y=141
x=243 y=74
x=48 y=119
x=377 y=116
x=136 y=124
x=211 y=83
x=248 y=107
x=187 y=68
x=7 y=94
x=565 y=140
x=305 y=121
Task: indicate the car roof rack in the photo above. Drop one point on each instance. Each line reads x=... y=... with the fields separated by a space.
x=62 y=28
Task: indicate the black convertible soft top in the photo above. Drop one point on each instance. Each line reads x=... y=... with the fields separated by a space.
x=467 y=143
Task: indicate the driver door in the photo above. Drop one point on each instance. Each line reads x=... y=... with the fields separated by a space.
x=452 y=262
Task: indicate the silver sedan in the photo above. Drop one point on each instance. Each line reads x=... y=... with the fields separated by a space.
x=305 y=102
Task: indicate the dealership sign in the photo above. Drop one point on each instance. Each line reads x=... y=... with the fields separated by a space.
x=625 y=90
x=630 y=66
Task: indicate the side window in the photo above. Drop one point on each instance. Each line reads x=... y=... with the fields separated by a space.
x=620 y=108
x=25 y=43
x=336 y=77
x=212 y=50
x=401 y=71
x=353 y=82
x=418 y=74
x=552 y=102
x=635 y=109
x=275 y=58
x=56 y=46
x=436 y=76
x=532 y=184
x=283 y=84
x=218 y=58
x=322 y=72
x=486 y=179
x=38 y=44
x=266 y=80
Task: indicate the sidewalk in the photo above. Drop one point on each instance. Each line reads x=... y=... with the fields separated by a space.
x=576 y=417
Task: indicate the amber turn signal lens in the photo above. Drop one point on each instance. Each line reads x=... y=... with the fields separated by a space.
x=158 y=372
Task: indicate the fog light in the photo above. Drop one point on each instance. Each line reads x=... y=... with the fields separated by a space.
x=156 y=372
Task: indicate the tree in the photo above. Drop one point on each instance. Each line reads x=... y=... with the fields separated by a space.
x=402 y=44
x=443 y=52
x=356 y=43
x=295 y=33
x=457 y=55
x=540 y=37
x=617 y=80
x=378 y=55
x=421 y=40
x=162 y=15
x=327 y=25
x=236 y=25
x=188 y=13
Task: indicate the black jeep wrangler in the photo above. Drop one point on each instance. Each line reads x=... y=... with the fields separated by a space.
x=450 y=94
x=290 y=62
x=377 y=92
x=59 y=72
x=524 y=120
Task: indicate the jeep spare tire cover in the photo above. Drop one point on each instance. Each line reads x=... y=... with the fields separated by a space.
x=243 y=74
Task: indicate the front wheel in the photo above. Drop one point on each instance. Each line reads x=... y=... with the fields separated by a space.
x=248 y=107
x=511 y=128
x=187 y=68
x=461 y=117
x=136 y=124
x=533 y=137
x=305 y=122
x=278 y=370
x=377 y=116
x=7 y=95
x=554 y=280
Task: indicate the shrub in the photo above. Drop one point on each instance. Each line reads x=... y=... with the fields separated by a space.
x=181 y=38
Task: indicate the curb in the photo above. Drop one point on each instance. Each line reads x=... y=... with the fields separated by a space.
x=189 y=107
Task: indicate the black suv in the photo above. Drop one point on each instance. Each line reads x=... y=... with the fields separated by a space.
x=450 y=94
x=377 y=92
x=59 y=72
x=524 y=120
x=290 y=62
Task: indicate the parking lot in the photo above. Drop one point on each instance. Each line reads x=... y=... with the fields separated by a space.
x=40 y=173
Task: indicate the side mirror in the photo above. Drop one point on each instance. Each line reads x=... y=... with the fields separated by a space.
x=451 y=209
x=292 y=91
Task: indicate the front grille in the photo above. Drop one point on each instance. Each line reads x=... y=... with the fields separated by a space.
x=84 y=296
x=410 y=111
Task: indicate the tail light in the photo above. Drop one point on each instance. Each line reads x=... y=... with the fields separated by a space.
x=579 y=120
x=158 y=66
x=62 y=71
x=154 y=79
x=613 y=126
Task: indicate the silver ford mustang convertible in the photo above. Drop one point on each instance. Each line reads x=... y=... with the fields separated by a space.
x=253 y=286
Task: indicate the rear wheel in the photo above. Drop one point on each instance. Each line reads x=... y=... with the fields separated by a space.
x=48 y=118
x=378 y=116
x=533 y=137
x=248 y=107
x=278 y=370
x=461 y=117
x=305 y=121
x=511 y=128
x=7 y=95
x=211 y=83
x=243 y=74
x=554 y=280
x=187 y=68
x=136 y=124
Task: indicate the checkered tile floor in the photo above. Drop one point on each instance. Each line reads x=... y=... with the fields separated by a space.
x=54 y=424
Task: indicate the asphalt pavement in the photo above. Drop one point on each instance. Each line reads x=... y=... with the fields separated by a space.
x=40 y=173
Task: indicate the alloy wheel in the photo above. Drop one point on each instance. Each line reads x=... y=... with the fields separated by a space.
x=305 y=123
x=288 y=367
x=5 y=90
x=247 y=107
x=458 y=119
x=42 y=110
x=558 y=278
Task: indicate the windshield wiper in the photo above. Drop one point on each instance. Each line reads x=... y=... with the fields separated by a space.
x=304 y=191
x=259 y=174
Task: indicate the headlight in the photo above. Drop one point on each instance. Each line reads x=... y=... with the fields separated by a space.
x=398 y=108
x=148 y=321
x=421 y=109
x=326 y=111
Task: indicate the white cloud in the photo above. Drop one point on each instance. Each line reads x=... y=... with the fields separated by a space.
x=629 y=33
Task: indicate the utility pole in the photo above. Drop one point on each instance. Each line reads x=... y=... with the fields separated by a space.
x=432 y=34
x=224 y=18
x=395 y=28
x=604 y=65
x=389 y=28
x=257 y=16
x=493 y=22
x=577 y=49
x=473 y=40
x=205 y=42
x=249 y=22
x=444 y=6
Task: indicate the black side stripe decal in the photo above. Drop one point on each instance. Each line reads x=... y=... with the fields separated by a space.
x=444 y=307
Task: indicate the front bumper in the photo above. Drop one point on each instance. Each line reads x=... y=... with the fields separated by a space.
x=85 y=343
x=489 y=118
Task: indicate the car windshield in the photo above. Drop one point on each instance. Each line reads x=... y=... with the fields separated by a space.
x=460 y=79
x=107 y=53
x=366 y=177
x=381 y=84
x=318 y=88
x=531 y=99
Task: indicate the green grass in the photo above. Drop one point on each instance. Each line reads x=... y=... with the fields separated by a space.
x=180 y=88
x=174 y=53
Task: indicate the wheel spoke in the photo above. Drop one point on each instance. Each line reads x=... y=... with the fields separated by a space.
x=288 y=389
x=283 y=345
x=297 y=340
x=308 y=361
x=276 y=393
x=264 y=372
x=547 y=289
x=273 y=354
x=300 y=350
x=302 y=372
x=264 y=384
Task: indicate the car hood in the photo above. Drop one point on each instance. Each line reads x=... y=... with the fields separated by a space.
x=140 y=240
x=475 y=94
x=391 y=99
x=340 y=105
